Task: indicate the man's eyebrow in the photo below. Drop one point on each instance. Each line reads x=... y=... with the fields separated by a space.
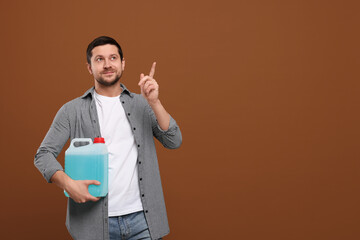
x=114 y=54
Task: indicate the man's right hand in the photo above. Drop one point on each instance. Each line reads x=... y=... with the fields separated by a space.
x=77 y=189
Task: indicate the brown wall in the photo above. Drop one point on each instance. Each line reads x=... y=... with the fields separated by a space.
x=266 y=94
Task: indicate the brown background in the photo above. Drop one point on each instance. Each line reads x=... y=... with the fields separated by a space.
x=266 y=94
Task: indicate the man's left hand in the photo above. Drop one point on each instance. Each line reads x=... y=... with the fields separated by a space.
x=149 y=87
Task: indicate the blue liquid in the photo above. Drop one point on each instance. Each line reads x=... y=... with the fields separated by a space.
x=88 y=162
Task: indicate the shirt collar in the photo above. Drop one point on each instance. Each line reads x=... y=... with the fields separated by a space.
x=92 y=90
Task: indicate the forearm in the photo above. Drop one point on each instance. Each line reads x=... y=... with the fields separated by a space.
x=61 y=179
x=46 y=163
x=162 y=116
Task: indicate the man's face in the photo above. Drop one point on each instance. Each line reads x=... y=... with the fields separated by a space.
x=106 y=65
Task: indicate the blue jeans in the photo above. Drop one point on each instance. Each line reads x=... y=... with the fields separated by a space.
x=132 y=226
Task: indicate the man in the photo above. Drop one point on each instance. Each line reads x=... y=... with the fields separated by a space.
x=134 y=207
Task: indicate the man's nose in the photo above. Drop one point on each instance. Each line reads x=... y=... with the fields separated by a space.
x=107 y=63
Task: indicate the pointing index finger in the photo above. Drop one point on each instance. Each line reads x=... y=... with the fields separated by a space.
x=152 y=71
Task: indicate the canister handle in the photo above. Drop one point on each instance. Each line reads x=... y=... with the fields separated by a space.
x=89 y=140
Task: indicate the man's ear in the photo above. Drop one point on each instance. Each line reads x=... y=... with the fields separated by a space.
x=123 y=64
x=89 y=68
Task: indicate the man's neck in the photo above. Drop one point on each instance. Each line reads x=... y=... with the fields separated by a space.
x=108 y=91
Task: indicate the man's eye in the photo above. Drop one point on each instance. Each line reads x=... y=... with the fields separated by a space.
x=98 y=59
x=113 y=58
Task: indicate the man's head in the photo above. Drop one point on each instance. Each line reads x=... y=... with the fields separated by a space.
x=103 y=40
x=105 y=60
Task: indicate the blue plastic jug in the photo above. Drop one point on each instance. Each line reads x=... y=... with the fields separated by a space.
x=89 y=162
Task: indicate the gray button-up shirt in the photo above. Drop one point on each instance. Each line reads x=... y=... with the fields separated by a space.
x=78 y=119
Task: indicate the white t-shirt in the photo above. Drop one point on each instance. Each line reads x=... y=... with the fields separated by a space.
x=124 y=194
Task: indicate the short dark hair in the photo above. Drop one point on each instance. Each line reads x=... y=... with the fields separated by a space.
x=99 y=41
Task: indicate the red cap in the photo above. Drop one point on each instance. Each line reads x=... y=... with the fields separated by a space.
x=99 y=140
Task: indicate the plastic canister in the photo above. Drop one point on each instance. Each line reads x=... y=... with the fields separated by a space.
x=88 y=162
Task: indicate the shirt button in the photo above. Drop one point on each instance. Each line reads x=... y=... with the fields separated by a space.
x=142 y=195
x=140 y=179
x=134 y=128
x=138 y=145
x=139 y=162
x=146 y=211
x=128 y=114
x=123 y=102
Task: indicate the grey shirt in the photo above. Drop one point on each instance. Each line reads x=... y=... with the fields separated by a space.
x=78 y=119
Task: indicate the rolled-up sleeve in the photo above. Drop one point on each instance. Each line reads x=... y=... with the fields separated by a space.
x=51 y=146
x=170 y=138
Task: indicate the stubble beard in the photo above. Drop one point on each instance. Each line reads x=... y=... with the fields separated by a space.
x=102 y=81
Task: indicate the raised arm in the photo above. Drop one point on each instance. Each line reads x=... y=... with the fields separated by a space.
x=164 y=126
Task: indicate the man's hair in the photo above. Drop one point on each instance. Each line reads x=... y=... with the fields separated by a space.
x=103 y=40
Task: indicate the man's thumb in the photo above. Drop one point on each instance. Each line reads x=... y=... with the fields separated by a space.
x=95 y=182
